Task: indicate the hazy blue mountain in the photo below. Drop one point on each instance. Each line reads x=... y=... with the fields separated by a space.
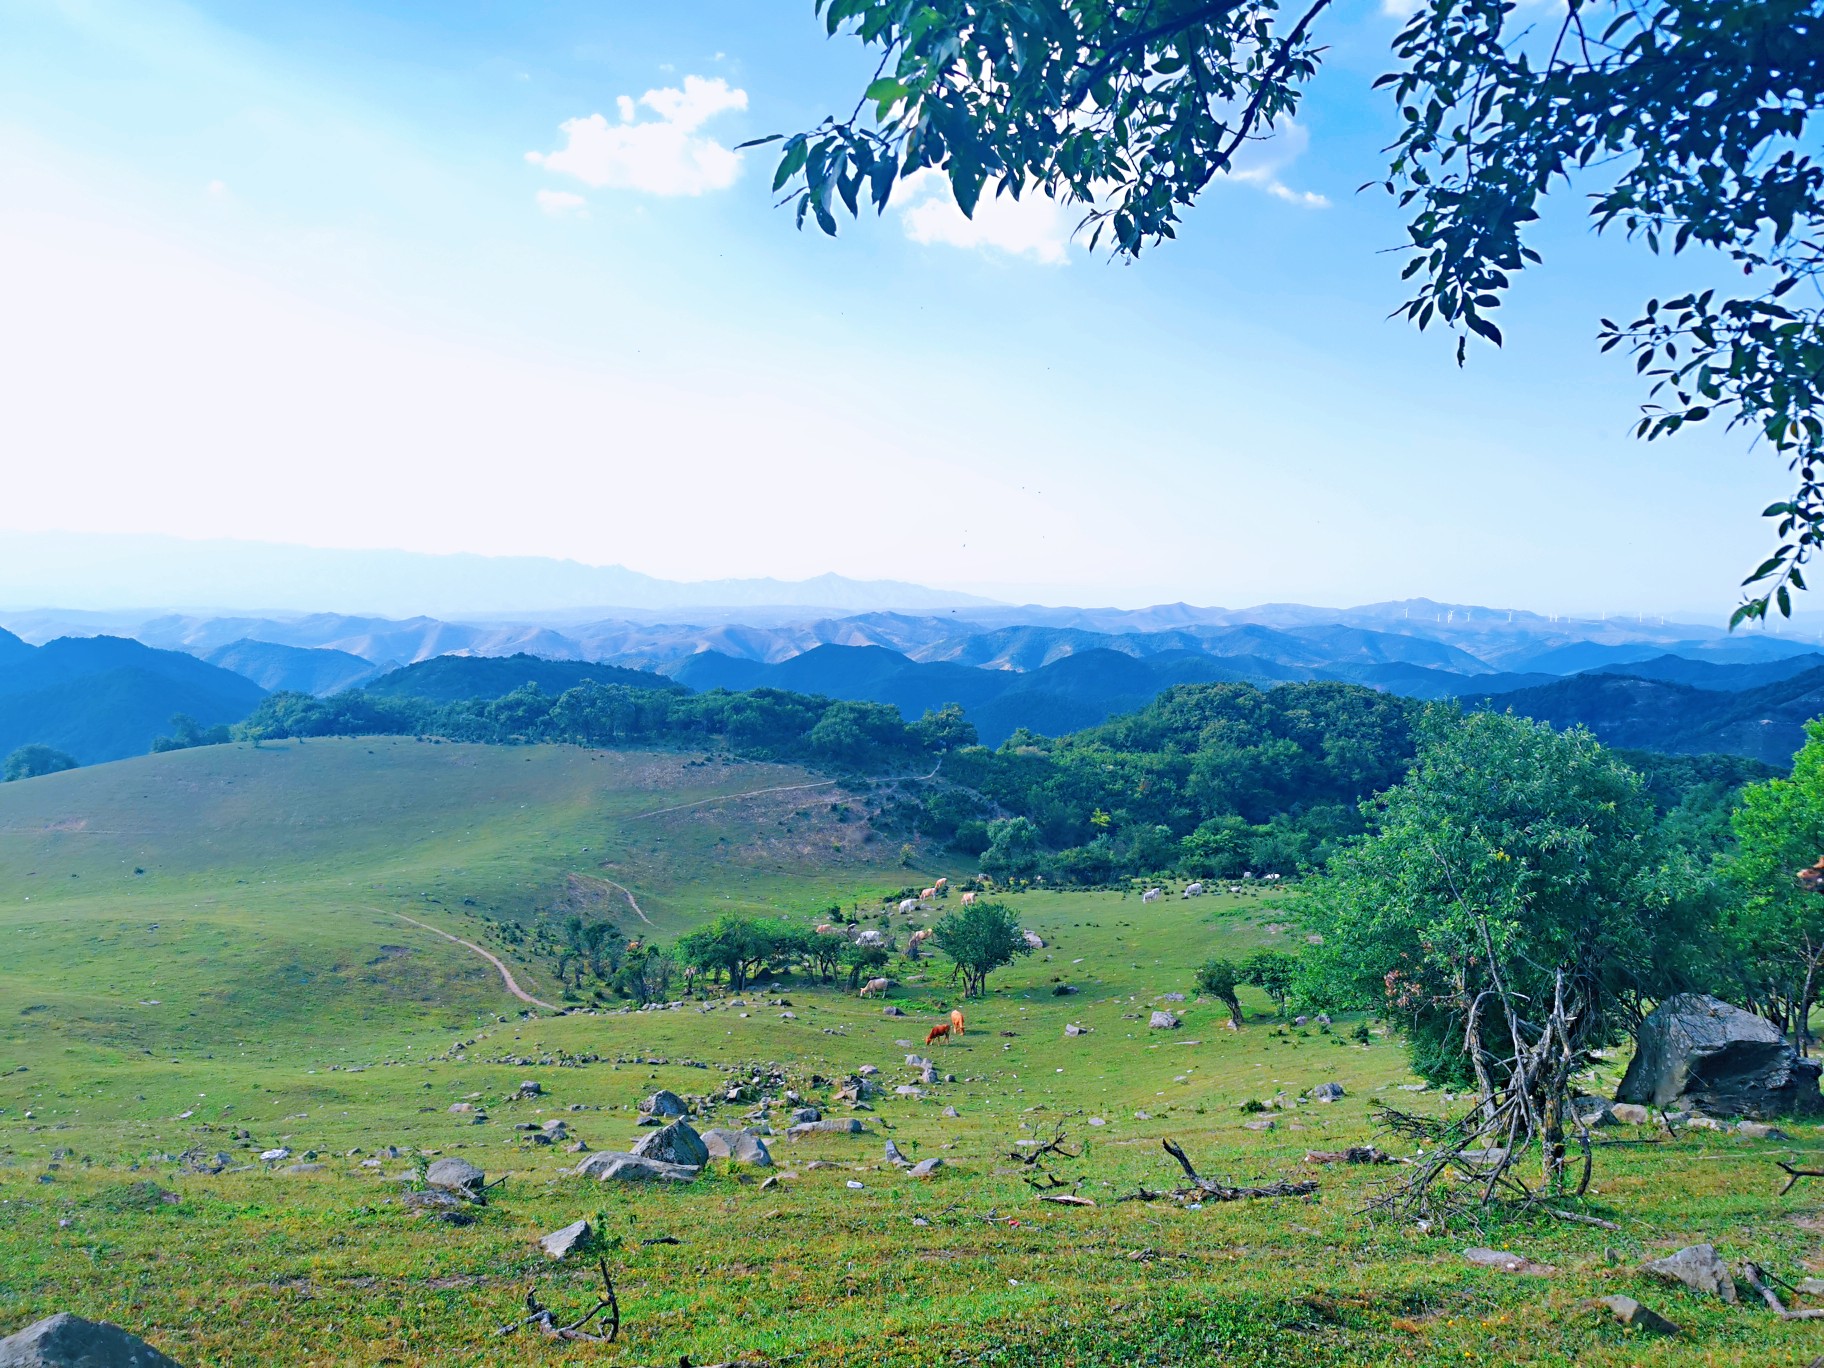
x=451 y=679
x=295 y=669
x=1765 y=723
x=105 y=698
x=104 y=571
x=1707 y=674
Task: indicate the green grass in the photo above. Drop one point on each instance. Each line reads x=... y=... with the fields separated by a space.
x=294 y=1005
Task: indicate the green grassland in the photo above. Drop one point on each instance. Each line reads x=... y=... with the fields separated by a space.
x=208 y=942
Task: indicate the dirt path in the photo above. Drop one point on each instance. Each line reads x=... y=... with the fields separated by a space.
x=506 y=974
x=632 y=902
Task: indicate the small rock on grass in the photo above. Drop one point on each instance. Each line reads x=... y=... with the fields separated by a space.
x=456 y=1175
x=1631 y=1313
x=1697 y=1267
x=559 y=1243
x=924 y=1168
x=1505 y=1262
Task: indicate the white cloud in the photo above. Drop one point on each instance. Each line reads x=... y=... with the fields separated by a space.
x=1260 y=162
x=662 y=156
x=562 y=204
x=217 y=189
x=1032 y=226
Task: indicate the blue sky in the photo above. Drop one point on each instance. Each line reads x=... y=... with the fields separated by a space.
x=288 y=272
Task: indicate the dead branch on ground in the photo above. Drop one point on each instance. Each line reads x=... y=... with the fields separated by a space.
x=1756 y=1277
x=1222 y=1192
x=1796 y=1174
x=544 y=1320
x=1055 y=1145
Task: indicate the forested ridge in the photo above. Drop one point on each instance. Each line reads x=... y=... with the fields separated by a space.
x=1208 y=780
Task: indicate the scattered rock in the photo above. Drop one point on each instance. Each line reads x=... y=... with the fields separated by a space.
x=1760 y=1130
x=529 y=1087
x=1631 y=1114
x=740 y=1147
x=950 y=1112
x=458 y=1176
x=461 y=1108
x=895 y=1157
x=1172 y=997
x=559 y=1243
x=664 y=1103
x=892 y=1011
x=924 y=1168
x=1164 y=1021
x=298 y=1169
x=1074 y=1030
x=907 y=1090
x=1714 y=1057
x=1592 y=1111
x=1257 y=1125
x=614 y=1166
x=929 y=1074
x=676 y=1143
x=1328 y=1092
x=1505 y=1262
x=1697 y=1267
x=1631 y=1313
x=66 y=1341
x=845 y=1125
x=273 y=1156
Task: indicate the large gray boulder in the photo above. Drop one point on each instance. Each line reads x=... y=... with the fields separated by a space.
x=1702 y=1053
x=677 y=1143
x=66 y=1341
x=614 y=1166
x=664 y=1102
x=457 y=1175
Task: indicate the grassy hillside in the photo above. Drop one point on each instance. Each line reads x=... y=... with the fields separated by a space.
x=205 y=953
x=455 y=679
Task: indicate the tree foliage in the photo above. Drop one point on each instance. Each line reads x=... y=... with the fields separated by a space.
x=1511 y=855
x=1684 y=122
x=1775 y=928
x=979 y=939
x=30 y=762
x=1220 y=978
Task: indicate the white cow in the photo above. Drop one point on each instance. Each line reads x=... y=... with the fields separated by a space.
x=969 y=899
x=871 y=937
x=1150 y=896
x=908 y=905
x=1033 y=940
x=875 y=988
x=1194 y=890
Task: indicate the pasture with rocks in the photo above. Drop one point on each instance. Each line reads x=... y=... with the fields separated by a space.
x=221 y=955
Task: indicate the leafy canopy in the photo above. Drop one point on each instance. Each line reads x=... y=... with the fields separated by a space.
x=1510 y=854
x=29 y=762
x=1684 y=122
x=980 y=939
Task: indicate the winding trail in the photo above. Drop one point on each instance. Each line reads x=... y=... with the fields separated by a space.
x=506 y=974
x=632 y=902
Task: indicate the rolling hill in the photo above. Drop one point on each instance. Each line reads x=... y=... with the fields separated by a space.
x=452 y=679
x=295 y=669
x=106 y=698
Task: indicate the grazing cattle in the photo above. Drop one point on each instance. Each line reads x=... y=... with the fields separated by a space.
x=941 y=884
x=872 y=937
x=969 y=900
x=875 y=988
x=827 y=929
x=908 y=905
x=1151 y=895
x=925 y=895
x=956 y=1021
x=1033 y=940
x=1811 y=879
x=922 y=935
x=941 y=1031
x=1194 y=890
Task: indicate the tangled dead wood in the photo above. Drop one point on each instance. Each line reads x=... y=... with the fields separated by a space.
x=1212 y=1190
x=1794 y=1174
x=544 y=1320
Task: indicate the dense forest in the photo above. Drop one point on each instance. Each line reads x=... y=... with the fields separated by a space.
x=1208 y=780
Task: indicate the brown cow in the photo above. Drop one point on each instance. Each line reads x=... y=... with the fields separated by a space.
x=1811 y=878
x=956 y=1020
x=941 y=1031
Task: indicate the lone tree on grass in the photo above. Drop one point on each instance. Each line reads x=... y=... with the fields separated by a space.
x=31 y=762
x=1219 y=978
x=1513 y=907
x=980 y=939
x=1682 y=124
x=1274 y=972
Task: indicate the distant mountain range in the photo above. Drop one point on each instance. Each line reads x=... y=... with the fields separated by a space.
x=102 y=571
x=1665 y=686
x=105 y=698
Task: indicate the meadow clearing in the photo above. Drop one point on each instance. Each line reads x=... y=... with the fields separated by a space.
x=205 y=953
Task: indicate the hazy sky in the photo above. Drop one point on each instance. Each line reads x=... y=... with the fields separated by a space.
x=483 y=277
